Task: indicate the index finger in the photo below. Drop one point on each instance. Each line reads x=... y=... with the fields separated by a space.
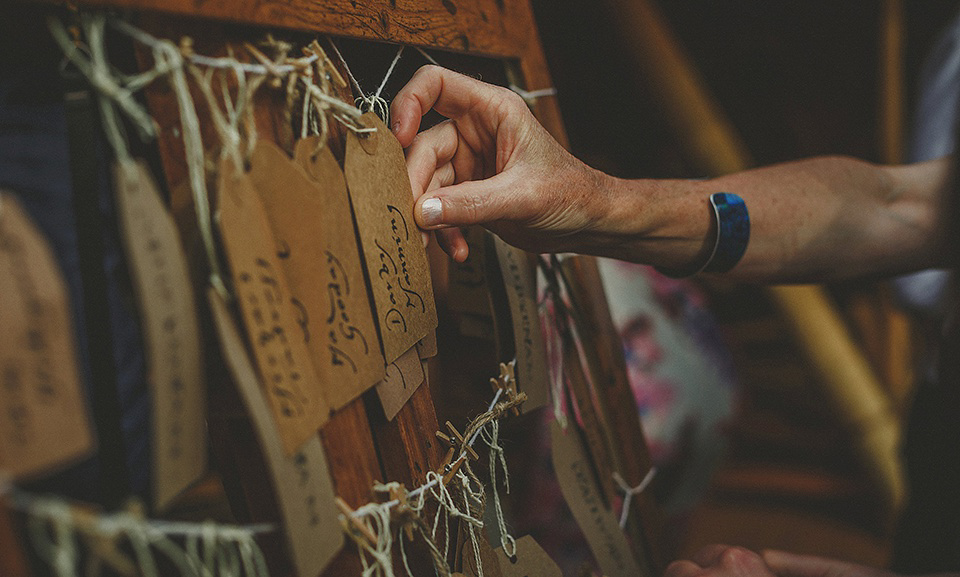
x=450 y=93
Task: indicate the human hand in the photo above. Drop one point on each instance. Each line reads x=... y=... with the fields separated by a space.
x=721 y=561
x=791 y=565
x=490 y=163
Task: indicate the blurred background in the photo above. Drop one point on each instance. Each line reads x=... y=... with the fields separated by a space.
x=794 y=79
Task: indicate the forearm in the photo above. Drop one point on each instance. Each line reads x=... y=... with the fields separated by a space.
x=819 y=219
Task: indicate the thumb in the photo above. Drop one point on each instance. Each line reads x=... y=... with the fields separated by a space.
x=466 y=203
x=792 y=565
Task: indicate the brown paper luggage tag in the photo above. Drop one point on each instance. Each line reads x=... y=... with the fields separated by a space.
x=392 y=247
x=530 y=561
x=428 y=346
x=301 y=481
x=404 y=376
x=488 y=557
x=313 y=230
x=43 y=412
x=467 y=283
x=160 y=276
x=520 y=282
x=594 y=425
x=294 y=393
x=578 y=484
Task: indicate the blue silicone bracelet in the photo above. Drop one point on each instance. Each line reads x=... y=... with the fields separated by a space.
x=733 y=231
x=733 y=235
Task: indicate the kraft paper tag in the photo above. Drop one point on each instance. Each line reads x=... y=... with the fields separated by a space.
x=168 y=316
x=404 y=376
x=428 y=346
x=520 y=282
x=467 y=291
x=302 y=481
x=292 y=388
x=530 y=561
x=593 y=423
x=313 y=230
x=43 y=411
x=578 y=484
x=392 y=247
x=490 y=562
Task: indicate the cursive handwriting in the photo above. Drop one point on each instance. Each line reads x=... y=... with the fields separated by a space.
x=339 y=326
x=261 y=295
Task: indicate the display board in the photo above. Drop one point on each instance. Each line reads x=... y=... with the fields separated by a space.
x=316 y=465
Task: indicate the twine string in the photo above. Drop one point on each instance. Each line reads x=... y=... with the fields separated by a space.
x=167 y=54
x=374 y=101
x=54 y=526
x=496 y=456
x=629 y=492
x=102 y=81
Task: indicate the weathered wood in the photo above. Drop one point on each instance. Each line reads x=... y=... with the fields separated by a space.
x=498 y=28
x=505 y=29
x=408 y=447
x=13 y=561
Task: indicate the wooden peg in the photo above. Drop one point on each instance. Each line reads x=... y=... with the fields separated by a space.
x=354 y=525
x=276 y=77
x=448 y=458
x=324 y=63
x=451 y=469
x=507 y=383
x=461 y=441
x=398 y=492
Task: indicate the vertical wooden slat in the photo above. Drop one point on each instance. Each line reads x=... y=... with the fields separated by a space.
x=896 y=361
x=608 y=368
x=13 y=561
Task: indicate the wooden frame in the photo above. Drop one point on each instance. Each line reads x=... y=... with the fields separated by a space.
x=361 y=445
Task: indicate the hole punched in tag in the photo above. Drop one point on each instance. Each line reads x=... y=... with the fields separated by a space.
x=370 y=140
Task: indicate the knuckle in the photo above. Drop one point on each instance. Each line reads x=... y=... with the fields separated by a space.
x=738 y=557
x=472 y=208
x=511 y=100
x=428 y=70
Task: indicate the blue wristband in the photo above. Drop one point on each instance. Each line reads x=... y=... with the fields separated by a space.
x=733 y=231
x=733 y=235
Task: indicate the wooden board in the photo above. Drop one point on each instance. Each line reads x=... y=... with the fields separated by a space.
x=361 y=445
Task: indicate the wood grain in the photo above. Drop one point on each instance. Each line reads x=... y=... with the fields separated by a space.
x=498 y=28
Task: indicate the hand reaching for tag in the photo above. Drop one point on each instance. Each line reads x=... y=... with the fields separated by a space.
x=725 y=561
x=490 y=163
x=721 y=561
x=792 y=565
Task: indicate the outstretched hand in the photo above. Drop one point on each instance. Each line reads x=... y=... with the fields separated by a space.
x=721 y=561
x=490 y=163
x=726 y=561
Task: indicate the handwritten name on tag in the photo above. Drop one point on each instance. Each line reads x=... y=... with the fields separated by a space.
x=165 y=297
x=520 y=281
x=302 y=480
x=43 y=416
x=578 y=484
x=291 y=385
x=404 y=376
x=392 y=247
x=316 y=248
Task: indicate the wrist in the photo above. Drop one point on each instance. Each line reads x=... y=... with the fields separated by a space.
x=668 y=223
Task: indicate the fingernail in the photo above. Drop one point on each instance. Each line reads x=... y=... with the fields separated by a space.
x=396 y=127
x=431 y=211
